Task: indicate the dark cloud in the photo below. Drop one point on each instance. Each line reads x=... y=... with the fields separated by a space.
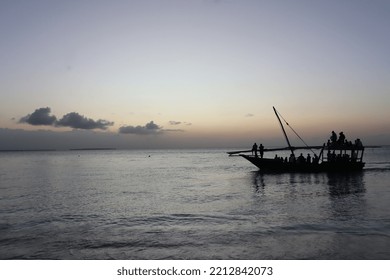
x=187 y=123
x=249 y=115
x=40 y=116
x=75 y=120
x=149 y=128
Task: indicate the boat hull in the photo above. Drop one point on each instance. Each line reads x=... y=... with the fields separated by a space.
x=276 y=165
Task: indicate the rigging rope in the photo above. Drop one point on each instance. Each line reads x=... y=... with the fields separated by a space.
x=295 y=132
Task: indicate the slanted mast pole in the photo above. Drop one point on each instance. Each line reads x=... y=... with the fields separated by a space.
x=284 y=132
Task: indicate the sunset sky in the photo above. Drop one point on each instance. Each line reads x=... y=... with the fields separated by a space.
x=194 y=73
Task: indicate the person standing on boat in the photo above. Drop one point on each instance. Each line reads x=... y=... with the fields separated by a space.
x=308 y=158
x=301 y=158
x=341 y=138
x=358 y=143
x=291 y=159
x=254 y=149
x=261 y=149
x=333 y=137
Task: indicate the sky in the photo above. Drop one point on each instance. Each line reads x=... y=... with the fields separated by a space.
x=192 y=74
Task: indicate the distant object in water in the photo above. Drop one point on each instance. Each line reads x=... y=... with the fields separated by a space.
x=337 y=155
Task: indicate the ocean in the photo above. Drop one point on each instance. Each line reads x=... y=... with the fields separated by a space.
x=188 y=204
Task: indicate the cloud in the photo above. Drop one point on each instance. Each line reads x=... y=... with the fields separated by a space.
x=40 y=116
x=249 y=115
x=149 y=128
x=174 y=123
x=178 y=123
x=75 y=120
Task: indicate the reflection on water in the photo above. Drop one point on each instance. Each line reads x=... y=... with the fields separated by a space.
x=321 y=216
x=337 y=184
x=258 y=181
x=344 y=184
x=348 y=203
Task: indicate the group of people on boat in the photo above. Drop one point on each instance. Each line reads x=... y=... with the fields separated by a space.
x=301 y=159
x=292 y=159
x=259 y=148
x=334 y=143
x=346 y=155
x=332 y=157
x=342 y=142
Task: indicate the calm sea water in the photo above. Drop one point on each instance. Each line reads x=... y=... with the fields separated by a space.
x=187 y=204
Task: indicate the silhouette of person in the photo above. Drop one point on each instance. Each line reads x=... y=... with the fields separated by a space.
x=261 y=149
x=308 y=159
x=358 y=143
x=254 y=149
x=301 y=158
x=333 y=137
x=341 y=138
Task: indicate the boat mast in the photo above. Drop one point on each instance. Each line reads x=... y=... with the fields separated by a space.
x=284 y=132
